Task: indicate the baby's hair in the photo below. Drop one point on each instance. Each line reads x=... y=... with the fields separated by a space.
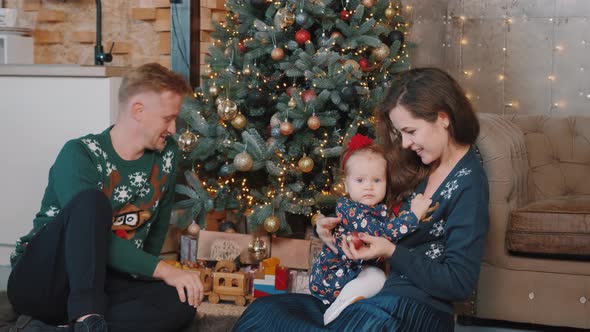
x=348 y=152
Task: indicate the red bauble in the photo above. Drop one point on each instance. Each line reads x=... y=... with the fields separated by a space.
x=354 y=239
x=364 y=63
x=308 y=95
x=290 y=91
x=302 y=36
x=242 y=46
x=344 y=15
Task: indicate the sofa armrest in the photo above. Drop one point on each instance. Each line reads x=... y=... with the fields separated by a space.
x=503 y=150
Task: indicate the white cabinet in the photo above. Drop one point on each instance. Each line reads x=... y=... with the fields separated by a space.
x=41 y=109
x=16 y=46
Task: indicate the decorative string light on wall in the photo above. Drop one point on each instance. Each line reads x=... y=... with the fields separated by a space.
x=559 y=48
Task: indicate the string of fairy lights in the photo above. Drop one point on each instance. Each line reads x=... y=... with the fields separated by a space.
x=559 y=47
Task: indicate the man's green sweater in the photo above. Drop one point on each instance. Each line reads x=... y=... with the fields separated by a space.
x=141 y=193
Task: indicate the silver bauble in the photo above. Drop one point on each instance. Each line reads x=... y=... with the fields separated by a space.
x=227 y=110
x=243 y=161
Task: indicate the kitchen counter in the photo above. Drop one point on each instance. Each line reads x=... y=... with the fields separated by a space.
x=62 y=70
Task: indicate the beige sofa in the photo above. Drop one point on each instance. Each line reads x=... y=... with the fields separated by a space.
x=537 y=263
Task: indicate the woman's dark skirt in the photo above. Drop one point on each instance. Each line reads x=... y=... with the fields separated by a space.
x=383 y=312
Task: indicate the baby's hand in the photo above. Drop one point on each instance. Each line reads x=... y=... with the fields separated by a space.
x=420 y=205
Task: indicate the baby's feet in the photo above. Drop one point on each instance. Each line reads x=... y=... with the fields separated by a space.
x=336 y=308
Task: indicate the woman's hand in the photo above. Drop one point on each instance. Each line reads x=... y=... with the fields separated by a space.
x=324 y=226
x=187 y=283
x=375 y=247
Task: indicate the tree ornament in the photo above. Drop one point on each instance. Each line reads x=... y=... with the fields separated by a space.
x=395 y=35
x=227 y=110
x=213 y=90
x=302 y=36
x=364 y=63
x=290 y=90
x=305 y=164
x=338 y=189
x=193 y=229
x=277 y=53
x=239 y=122
x=242 y=46
x=368 y=3
x=344 y=15
x=257 y=249
x=292 y=103
x=390 y=12
x=187 y=141
x=275 y=132
x=324 y=40
x=247 y=70
x=272 y=224
x=283 y=18
x=286 y=128
x=207 y=70
x=348 y=94
x=308 y=95
x=301 y=18
x=315 y=217
x=351 y=65
x=313 y=122
x=381 y=52
x=219 y=100
x=275 y=121
x=243 y=161
x=335 y=35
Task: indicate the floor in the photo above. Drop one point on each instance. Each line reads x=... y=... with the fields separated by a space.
x=497 y=327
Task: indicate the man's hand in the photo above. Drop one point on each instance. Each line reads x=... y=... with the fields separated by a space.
x=187 y=283
x=375 y=247
x=324 y=226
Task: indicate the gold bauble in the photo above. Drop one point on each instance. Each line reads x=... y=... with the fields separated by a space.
x=193 y=229
x=286 y=128
x=247 y=70
x=239 y=122
x=338 y=189
x=272 y=224
x=292 y=103
x=313 y=122
x=314 y=218
x=207 y=71
x=187 y=141
x=243 y=161
x=257 y=249
x=381 y=52
x=227 y=110
x=305 y=164
x=390 y=12
x=277 y=53
x=351 y=65
x=368 y=3
x=213 y=90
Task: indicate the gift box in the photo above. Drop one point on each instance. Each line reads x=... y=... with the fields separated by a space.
x=270 y=265
x=188 y=248
x=299 y=282
x=281 y=277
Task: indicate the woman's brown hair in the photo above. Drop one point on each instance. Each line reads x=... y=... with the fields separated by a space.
x=424 y=92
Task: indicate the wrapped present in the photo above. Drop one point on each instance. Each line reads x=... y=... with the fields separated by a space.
x=270 y=265
x=299 y=282
x=263 y=287
x=188 y=248
x=281 y=277
x=264 y=290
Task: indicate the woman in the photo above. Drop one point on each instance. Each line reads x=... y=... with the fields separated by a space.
x=428 y=127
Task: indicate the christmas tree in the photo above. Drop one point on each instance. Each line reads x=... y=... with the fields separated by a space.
x=286 y=84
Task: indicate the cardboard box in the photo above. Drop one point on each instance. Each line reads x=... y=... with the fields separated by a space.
x=293 y=253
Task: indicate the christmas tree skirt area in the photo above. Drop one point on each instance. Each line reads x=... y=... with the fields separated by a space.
x=210 y=317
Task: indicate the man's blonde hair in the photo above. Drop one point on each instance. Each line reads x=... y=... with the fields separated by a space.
x=152 y=77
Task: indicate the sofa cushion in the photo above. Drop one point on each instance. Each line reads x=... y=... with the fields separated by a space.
x=556 y=226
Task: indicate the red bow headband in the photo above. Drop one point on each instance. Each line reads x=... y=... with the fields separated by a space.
x=357 y=142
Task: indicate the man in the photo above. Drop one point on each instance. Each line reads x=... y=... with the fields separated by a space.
x=91 y=259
